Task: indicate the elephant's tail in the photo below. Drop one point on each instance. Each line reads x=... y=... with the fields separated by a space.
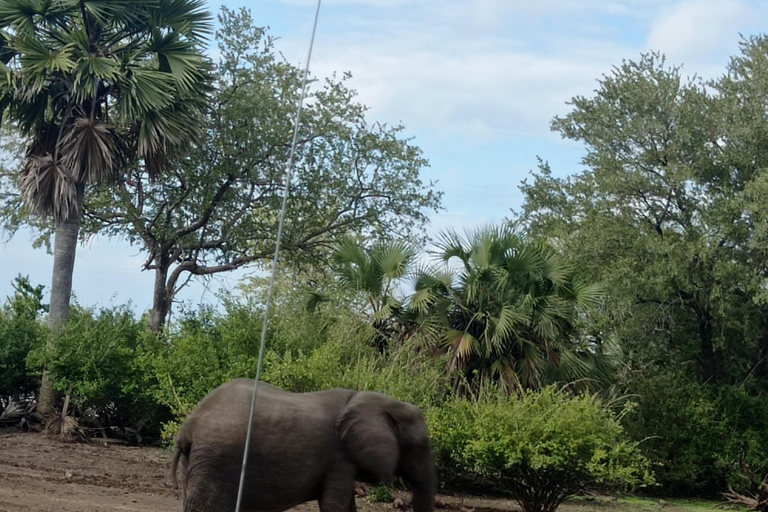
x=181 y=447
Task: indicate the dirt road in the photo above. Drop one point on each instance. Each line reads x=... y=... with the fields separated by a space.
x=38 y=474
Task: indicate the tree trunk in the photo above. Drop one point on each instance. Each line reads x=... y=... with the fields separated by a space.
x=707 y=357
x=761 y=372
x=64 y=249
x=161 y=299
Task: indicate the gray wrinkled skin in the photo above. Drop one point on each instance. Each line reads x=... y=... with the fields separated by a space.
x=305 y=446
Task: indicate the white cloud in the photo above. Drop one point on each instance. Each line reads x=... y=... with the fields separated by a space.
x=484 y=93
x=695 y=32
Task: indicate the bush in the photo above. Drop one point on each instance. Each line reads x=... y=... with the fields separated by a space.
x=540 y=448
x=306 y=352
x=97 y=356
x=403 y=374
x=20 y=332
x=696 y=433
x=207 y=350
x=381 y=494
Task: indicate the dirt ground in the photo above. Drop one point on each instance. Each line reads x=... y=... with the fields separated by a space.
x=39 y=474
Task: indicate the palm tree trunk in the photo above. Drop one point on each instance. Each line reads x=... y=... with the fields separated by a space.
x=64 y=249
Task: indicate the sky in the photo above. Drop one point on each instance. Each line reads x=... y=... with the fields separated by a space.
x=476 y=84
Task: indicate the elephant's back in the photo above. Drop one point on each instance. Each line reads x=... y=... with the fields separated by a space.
x=277 y=412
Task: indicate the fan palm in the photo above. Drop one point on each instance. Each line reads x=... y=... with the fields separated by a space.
x=375 y=272
x=93 y=85
x=505 y=311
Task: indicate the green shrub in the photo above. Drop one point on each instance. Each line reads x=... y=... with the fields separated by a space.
x=98 y=357
x=207 y=350
x=306 y=352
x=696 y=433
x=21 y=331
x=540 y=448
x=381 y=494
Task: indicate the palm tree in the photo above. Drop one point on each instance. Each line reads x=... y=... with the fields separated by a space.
x=94 y=85
x=376 y=272
x=506 y=313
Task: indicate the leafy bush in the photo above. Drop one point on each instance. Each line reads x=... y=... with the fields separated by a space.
x=697 y=433
x=97 y=357
x=207 y=350
x=20 y=332
x=403 y=374
x=306 y=352
x=381 y=494
x=540 y=448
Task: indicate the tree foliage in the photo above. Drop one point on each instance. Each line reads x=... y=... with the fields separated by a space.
x=21 y=331
x=94 y=85
x=507 y=311
x=376 y=272
x=218 y=209
x=659 y=214
x=669 y=214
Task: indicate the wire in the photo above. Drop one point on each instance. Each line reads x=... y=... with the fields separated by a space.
x=286 y=187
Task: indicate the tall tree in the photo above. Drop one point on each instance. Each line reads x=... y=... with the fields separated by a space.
x=218 y=209
x=94 y=85
x=662 y=213
x=506 y=310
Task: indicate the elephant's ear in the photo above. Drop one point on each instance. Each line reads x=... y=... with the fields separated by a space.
x=410 y=425
x=367 y=431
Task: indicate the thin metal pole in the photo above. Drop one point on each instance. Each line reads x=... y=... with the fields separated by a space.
x=286 y=188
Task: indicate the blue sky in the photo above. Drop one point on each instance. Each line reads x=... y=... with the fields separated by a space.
x=475 y=82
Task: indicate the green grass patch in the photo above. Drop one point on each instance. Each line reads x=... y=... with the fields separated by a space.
x=630 y=503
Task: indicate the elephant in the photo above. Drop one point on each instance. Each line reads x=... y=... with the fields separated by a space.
x=304 y=447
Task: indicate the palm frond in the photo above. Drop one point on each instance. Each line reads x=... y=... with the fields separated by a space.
x=179 y=59
x=19 y=15
x=555 y=269
x=461 y=344
x=313 y=301
x=92 y=149
x=505 y=327
x=47 y=187
x=505 y=371
x=432 y=277
x=588 y=294
x=421 y=300
x=449 y=245
x=117 y=12
x=90 y=72
x=143 y=91
x=393 y=258
x=188 y=17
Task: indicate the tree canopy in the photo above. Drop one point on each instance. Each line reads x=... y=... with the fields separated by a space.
x=94 y=86
x=666 y=209
x=217 y=209
x=506 y=310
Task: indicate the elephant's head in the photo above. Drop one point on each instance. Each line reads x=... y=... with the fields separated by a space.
x=387 y=438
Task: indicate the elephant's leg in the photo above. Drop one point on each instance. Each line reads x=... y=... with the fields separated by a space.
x=202 y=497
x=211 y=484
x=338 y=495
